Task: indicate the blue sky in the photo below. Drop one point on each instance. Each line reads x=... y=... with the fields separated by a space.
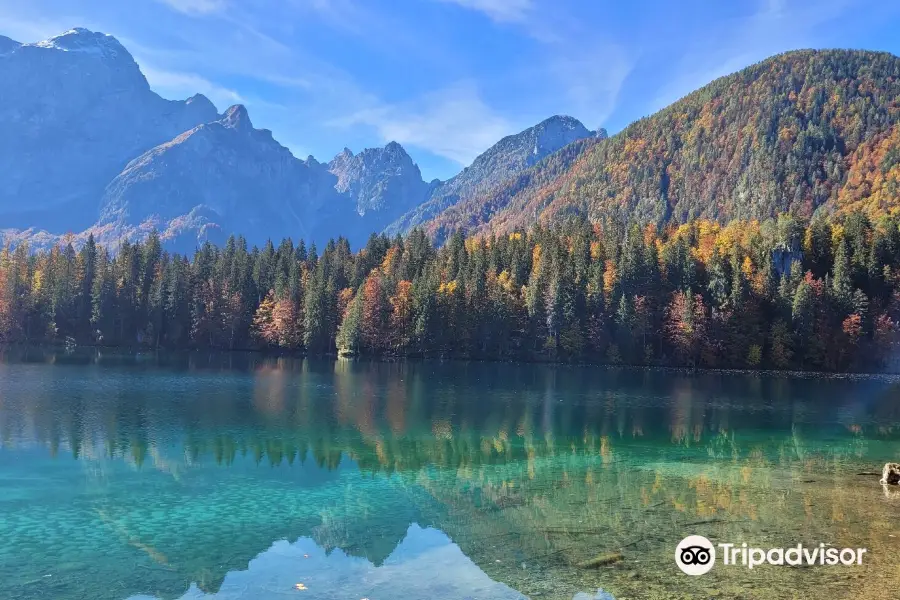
x=448 y=78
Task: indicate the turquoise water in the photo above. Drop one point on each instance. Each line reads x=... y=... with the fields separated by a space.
x=234 y=476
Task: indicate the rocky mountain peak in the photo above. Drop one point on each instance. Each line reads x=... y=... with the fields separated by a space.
x=559 y=130
x=508 y=157
x=236 y=117
x=559 y=122
x=383 y=179
x=85 y=41
x=79 y=109
x=201 y=102
x=601 y=133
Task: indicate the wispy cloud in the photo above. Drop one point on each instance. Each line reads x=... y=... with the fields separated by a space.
x=454 y=123
x=591 y=80
x=196 y=7
x=775 y=26
x=35 y=28
x=583 y=65
x=502 y=11
x=177 y=85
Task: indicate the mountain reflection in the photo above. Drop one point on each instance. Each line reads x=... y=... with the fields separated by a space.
x=285 y=566
x=179 y=469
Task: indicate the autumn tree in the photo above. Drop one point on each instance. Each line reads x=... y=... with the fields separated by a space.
x=686 y=323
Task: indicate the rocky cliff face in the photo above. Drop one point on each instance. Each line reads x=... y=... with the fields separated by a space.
x=505 y=159
x=74 y=110
x=224 y=173
x=380 y=183
x=228 y=177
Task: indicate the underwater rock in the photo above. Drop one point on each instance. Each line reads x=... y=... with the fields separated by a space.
x=891 y=474
x=600 y=595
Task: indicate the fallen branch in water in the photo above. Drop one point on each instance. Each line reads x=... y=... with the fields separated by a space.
x=710 y=521
x=567 y=531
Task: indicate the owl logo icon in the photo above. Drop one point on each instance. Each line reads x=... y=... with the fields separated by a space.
x=695 y=555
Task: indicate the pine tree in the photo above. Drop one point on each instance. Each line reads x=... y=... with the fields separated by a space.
x=841 y=282
x=103 y=298
x=349 y=336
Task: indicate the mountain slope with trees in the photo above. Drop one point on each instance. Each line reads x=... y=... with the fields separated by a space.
x=776 y=137
x=493 y=167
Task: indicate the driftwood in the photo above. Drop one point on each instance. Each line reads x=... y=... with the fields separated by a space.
x=601 y=560
x=573 y=531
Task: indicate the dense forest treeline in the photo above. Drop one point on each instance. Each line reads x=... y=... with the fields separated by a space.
x=782 y=294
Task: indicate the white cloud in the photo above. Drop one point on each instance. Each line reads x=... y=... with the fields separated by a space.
x=776 y=26
x=454 y=123
x=178 y=85
x=196 y=7
x=502 y=11
x=590 y=80
x=33 y=28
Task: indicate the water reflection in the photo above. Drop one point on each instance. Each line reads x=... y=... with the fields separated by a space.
x=408 y=572
x=125 y=475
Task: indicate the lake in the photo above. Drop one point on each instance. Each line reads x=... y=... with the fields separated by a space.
x=235 y=476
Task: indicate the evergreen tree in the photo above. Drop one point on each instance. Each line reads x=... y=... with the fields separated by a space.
x=349 y=336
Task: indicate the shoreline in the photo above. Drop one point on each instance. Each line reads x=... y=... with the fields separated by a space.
x=125 y=351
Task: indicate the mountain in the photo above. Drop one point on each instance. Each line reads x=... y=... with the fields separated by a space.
x=381 y=184
x=90 y=147
x=789 y=134
x=214 y=179
x=376 y=175
x=508 y=157
x=199 y=187
x=75 y=109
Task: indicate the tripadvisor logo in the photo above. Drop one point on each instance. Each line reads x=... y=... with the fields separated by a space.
x=696 y=555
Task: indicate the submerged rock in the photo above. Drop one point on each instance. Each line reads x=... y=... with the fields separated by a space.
x=891 y=474
x=600 y=595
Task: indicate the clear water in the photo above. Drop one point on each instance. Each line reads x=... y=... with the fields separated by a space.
x=233 y=476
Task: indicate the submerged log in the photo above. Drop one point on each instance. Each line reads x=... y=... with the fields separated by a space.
x=891 y=474
x=601 y=560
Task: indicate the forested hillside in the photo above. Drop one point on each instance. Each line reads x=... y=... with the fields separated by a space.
x=798 y=132
x=780 y=294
